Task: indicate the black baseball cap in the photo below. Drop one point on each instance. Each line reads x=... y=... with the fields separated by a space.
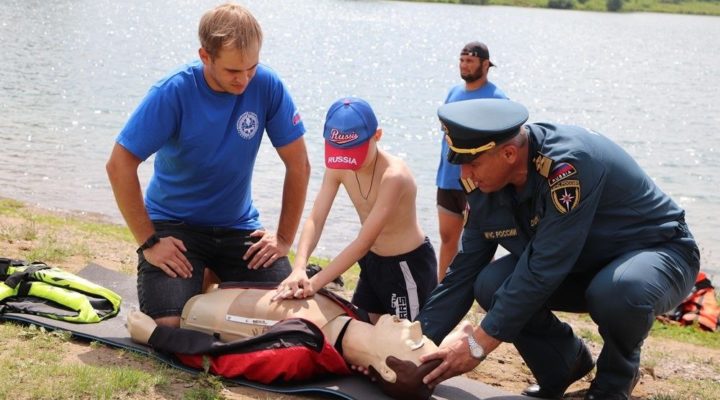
x=477 y=49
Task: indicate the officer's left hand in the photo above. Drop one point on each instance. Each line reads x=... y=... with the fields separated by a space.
x=265 y=251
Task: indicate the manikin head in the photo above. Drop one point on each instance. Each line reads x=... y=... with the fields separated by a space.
x=399 y=338
x=395 y=357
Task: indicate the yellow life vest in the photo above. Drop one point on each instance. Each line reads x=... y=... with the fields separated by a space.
x=39 y=289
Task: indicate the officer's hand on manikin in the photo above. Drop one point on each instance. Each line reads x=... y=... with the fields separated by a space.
x=455 y=353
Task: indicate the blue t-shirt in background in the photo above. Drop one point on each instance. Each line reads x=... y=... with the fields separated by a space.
x=448 y=175
x=206 y=144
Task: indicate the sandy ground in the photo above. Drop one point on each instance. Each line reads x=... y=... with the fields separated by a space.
x=666 y=363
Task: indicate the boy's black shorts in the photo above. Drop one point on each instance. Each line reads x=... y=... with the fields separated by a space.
x=398 y=285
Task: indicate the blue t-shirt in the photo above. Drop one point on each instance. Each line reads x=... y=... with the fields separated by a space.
x=448 y=175
x=206 y=144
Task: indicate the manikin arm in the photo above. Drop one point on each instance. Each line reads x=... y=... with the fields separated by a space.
x=140 y=326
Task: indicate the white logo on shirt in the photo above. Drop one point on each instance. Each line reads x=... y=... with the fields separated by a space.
x=247 y=125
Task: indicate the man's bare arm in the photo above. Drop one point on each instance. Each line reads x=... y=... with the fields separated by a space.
x=297 y=174
x=122 y=172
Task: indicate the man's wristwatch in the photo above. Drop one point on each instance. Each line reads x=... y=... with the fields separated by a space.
x=152 y=241
x=475 y=349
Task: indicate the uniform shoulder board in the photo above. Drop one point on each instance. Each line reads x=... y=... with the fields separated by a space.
x=468 y=185
x=543 y=164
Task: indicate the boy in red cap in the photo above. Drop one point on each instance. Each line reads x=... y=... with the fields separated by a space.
x=397 y=261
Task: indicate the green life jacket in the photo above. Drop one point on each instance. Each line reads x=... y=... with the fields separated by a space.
x=39 y=289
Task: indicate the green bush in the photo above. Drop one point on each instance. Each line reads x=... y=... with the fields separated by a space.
x=614 y=5
x=561 y=4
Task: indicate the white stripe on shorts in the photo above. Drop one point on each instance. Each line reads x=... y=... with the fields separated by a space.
x=411 y=287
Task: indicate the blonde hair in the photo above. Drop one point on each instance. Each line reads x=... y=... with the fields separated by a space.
x=229 y=25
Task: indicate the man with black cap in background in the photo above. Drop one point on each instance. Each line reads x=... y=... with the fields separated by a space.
x=474 y=67
x=587 y=231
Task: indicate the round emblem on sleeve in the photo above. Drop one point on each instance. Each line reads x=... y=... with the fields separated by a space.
x=247 y=125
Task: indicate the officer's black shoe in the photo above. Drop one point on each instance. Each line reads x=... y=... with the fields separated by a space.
x=583 y=364
x=598 y=393
x=602 y=394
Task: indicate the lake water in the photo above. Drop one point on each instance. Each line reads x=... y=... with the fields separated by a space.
x=73 y=70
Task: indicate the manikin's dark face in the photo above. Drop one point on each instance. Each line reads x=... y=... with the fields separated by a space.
x=409 y=382
x=398 y=347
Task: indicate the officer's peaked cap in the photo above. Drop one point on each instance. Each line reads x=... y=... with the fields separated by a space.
x=474 y=126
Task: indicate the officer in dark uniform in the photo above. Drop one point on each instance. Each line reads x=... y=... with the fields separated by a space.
x=587 y=231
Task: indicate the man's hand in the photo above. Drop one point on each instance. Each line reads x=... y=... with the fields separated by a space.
x=265 y=251
x=456 y=360
x=292 y=286
x=455 y=354
x=169 y=255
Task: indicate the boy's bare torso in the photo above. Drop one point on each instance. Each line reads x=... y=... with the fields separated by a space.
x=401 y=232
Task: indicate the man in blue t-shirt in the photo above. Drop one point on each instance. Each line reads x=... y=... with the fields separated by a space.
x=204 y=122
x=474 y=66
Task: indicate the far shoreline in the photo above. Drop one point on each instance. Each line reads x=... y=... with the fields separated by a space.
x=684 y=7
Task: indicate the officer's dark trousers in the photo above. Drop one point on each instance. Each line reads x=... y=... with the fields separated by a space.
x=622 y=298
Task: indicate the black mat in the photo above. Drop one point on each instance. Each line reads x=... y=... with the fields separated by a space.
x=113 y=333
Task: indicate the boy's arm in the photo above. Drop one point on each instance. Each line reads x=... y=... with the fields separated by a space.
x=293 y=285
x=312 y=229
x=392 y=189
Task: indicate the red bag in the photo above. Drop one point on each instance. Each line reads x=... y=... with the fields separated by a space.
x=292 y=350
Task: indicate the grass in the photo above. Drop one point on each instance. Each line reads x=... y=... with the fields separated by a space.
x=46 y=375
x=55 y=237
x=686 y=334
x=14 y=208
x=590 y=335
x=691 y=390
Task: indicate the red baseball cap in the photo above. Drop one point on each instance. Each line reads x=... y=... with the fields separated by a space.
x=349 y=124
